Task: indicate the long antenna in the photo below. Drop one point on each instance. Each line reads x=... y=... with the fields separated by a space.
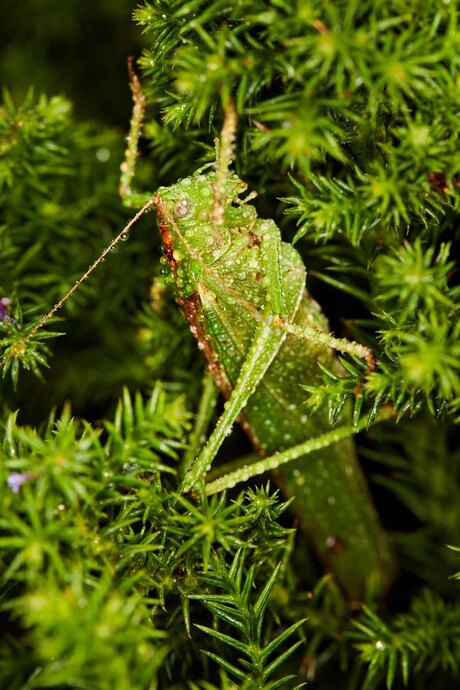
x=121 y=236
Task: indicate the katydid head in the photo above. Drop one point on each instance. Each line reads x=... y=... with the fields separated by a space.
x=191 y=238
x=190 y=201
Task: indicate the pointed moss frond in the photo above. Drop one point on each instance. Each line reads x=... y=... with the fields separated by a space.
x=423 y=641
x=235 y=605
x=89 y=510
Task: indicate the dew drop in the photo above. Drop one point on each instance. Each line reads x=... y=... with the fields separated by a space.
x=183 y=208
x=103 y=155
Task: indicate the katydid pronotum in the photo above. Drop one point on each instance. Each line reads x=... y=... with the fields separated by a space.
x=243 y=293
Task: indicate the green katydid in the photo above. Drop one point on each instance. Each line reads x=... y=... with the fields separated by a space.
x=243 y=292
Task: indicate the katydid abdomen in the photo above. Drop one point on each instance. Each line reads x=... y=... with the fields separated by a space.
x=223 y=289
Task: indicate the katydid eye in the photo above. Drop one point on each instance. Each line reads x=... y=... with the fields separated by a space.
x=183 y=208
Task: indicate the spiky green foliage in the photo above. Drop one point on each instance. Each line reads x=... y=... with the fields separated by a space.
x=425 y=639
x=100 y=557
x=233 y=606
x=59 y=208
x=348 y=132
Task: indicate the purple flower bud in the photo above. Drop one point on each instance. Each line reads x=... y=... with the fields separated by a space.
x=4 y=304
x=17 y=479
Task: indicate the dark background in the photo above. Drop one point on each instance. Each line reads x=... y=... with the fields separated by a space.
x=78 y=48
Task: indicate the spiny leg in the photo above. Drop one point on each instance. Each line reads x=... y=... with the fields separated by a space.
x=206 y=408
x=303 y=332
x=266 y=344
x=129 y=196
x=275 y=461
x=317 y=337
x=271 y=262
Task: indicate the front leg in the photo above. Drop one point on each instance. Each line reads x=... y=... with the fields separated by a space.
x=267 y=342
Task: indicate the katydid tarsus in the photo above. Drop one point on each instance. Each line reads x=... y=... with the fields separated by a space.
x=243 y=292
